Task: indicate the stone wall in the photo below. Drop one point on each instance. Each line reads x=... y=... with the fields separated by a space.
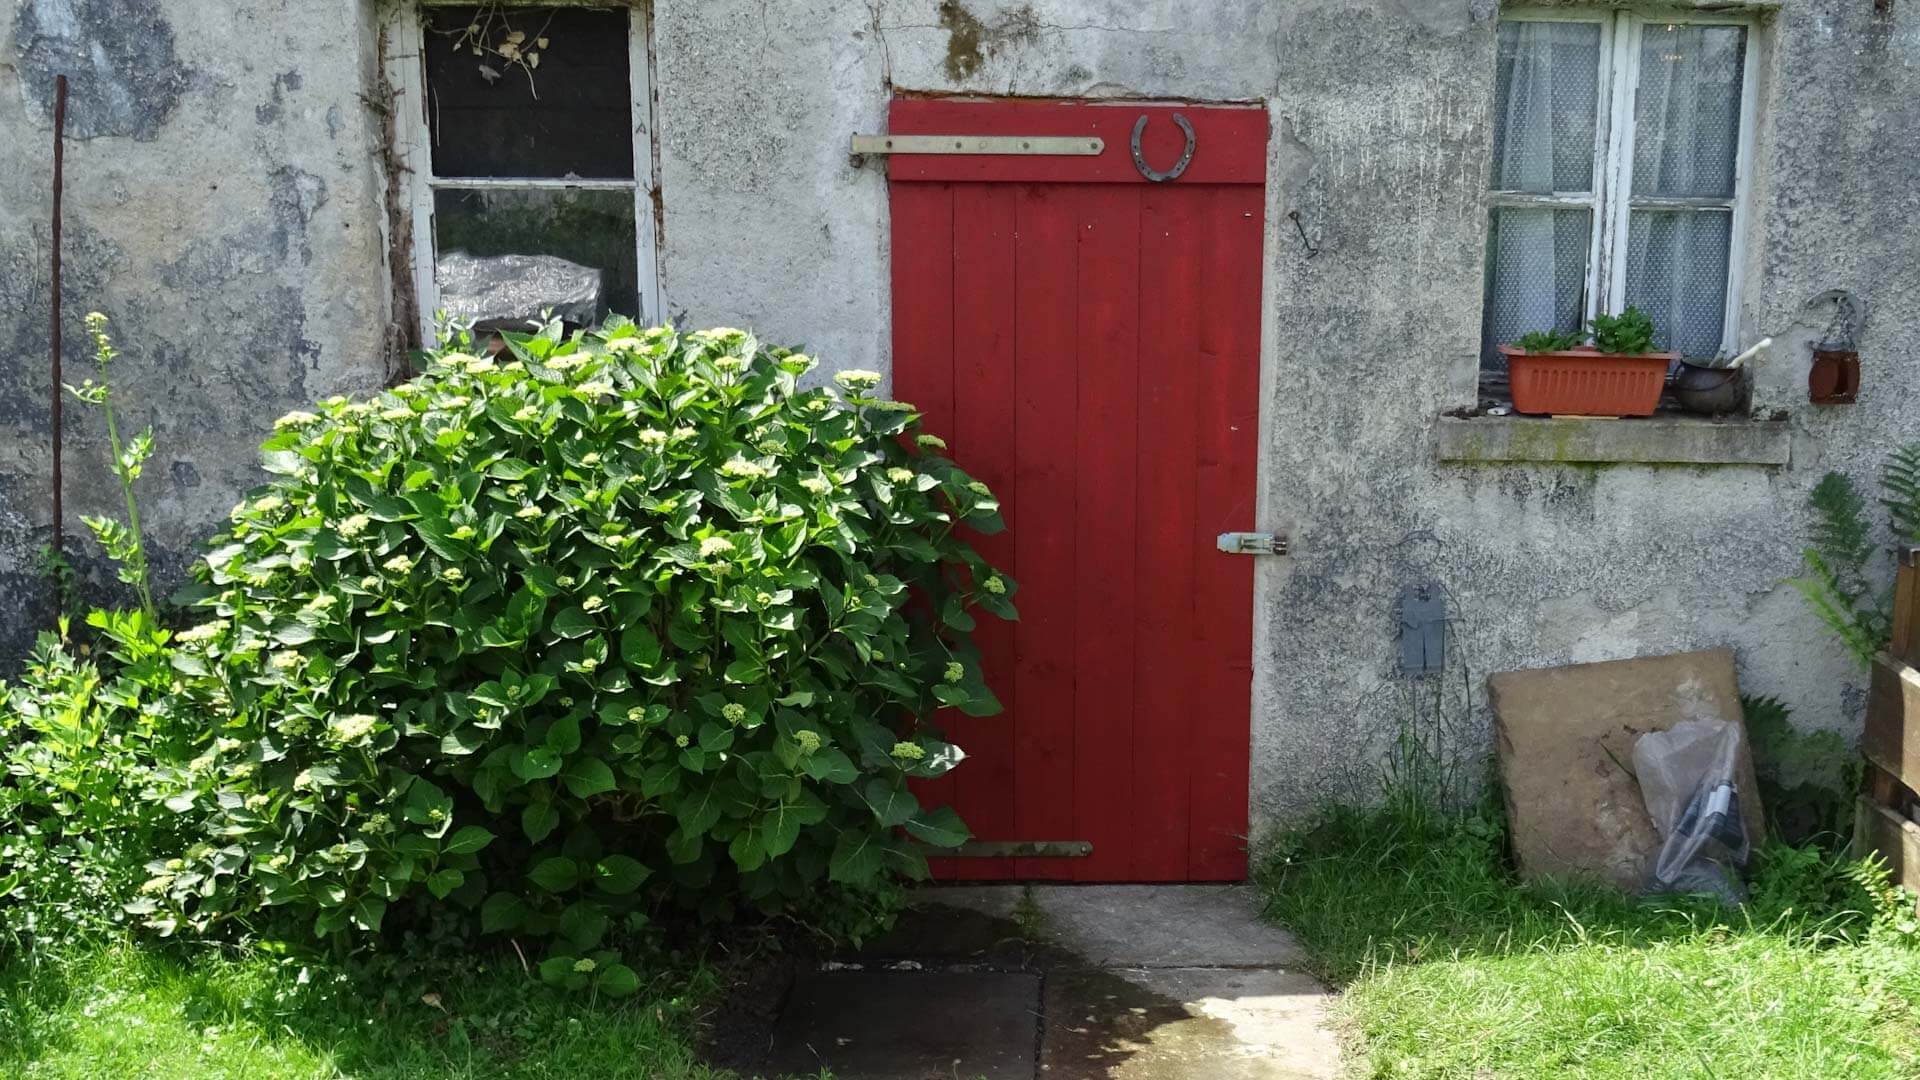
x=226 y=208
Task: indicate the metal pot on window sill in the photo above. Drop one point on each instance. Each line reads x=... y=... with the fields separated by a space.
x=1719 y=389
x=1710 y=391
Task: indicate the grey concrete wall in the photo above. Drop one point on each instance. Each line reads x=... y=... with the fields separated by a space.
x=223 y=207
x=227 y=210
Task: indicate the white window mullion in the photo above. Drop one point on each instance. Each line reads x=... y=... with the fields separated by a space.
x=1617 y=189
x=645 y=167
x=1602 y=146
x=407 y=74
x=1742 y=181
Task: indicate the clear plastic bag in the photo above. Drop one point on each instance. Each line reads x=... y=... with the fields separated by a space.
x=1687 y=779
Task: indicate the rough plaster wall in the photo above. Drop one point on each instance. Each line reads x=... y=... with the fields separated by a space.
x=1381 y=140
x=223 y=207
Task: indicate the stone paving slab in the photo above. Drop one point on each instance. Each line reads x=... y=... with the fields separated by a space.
x=909 y=1025
x=1163 y=926
x=1106 y=982
x=1186 y=1024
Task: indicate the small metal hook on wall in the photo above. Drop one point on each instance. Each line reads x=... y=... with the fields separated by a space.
x=1294 y=216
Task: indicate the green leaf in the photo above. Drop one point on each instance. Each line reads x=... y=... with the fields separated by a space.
x=891 y=802
x=536 y=764
x=502 y=911
x=442 y=882
x=538 y=820
x=831 y=766
x=583 y=925
x=463 y=740
x=573 y=622
x=556 y=970
x=748 y=849
x=617 y=980
x=639 y=647
x=564 y=736
x=368 y=913
x=940 y=827
x=620 y=874
x=556 y=874
x=588 y=776
x=469 y=840
x=856 y=858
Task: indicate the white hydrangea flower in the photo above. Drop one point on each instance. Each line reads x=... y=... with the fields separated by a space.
x=353 y=526
x=351 y=728
x=715 y=545
x=858 y=379
x=295 y=419
x=815 y=484
x=399 y=564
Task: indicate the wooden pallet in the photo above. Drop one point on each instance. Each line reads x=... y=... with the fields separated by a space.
x=1889 y=812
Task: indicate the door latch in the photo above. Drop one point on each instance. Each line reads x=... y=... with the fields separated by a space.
x=1252 y=543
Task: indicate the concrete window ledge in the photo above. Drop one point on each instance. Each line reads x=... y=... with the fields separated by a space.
x=1655 y=440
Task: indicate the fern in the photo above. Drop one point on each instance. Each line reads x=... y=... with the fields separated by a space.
x=1836 y=585
x=1900 y=488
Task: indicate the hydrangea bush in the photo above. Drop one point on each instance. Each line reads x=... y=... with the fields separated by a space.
x=545 y=640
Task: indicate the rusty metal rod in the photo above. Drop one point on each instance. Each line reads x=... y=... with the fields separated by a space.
x=59 y=171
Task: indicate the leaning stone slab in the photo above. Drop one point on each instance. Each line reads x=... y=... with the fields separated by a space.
x=1565 y=740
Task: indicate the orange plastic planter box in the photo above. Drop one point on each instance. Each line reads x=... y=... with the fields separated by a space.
x=1583 y=382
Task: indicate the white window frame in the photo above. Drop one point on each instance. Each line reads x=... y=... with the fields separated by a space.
x=407 y=73
x=1611 y=202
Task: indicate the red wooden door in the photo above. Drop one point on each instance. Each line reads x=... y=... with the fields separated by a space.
x=1088 y=344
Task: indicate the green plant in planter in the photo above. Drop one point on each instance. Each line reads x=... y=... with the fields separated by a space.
x=1629 y=333
x=1546 y=341
x=620 y=619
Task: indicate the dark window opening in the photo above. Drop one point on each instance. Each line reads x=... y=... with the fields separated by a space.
x=529 y=92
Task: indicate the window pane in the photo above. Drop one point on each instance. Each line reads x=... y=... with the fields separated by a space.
x=1677 y=273
x=1686 y=110
x=1536 y=275
x=593 y=230
x=501 y=113
x=1547 y=96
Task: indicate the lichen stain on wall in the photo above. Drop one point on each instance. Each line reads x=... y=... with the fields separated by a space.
x=124 y=78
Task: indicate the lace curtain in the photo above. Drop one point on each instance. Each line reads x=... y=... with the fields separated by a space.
x=1544 y=125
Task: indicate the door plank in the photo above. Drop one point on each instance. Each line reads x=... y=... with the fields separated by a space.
x=923 y=352
x=983 y=443
x=1227 y=447
x=1046 y=357
x=1164 y=649
x=1104 y=526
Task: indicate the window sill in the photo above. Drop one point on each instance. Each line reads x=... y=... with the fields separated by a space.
x=1655 y=440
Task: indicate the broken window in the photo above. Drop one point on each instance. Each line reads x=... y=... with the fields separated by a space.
x=531 y=161
x=1620 y=160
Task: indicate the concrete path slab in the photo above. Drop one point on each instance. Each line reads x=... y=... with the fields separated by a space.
x=1167 y=1023
x=909 y=1025
x=1177 y=982
x=1163 y=926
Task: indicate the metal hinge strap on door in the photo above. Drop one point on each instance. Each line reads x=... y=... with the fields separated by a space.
x=1022 y=145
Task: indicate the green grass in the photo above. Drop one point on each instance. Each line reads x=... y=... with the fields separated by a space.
x=1453 y=969
x=127 y=1011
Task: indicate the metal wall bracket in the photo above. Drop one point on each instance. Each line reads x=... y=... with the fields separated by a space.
x=1024 y=145
x=1248 y=543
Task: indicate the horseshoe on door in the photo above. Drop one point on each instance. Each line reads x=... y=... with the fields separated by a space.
x=1140 y=157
